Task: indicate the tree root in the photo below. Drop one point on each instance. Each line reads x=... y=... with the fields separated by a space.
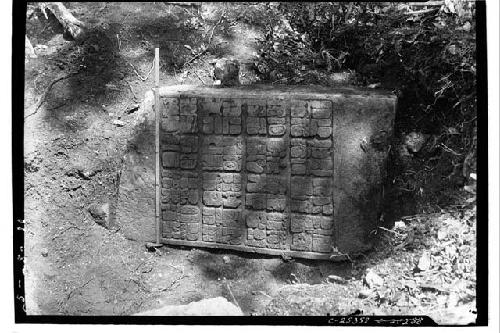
x=226 y=284
x=73 y=28
x=137 y=73
x=44 y=95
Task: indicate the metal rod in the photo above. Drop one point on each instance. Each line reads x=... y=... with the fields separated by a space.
x=157 y=144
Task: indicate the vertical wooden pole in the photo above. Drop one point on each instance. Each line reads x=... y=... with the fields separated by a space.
x=157 y=144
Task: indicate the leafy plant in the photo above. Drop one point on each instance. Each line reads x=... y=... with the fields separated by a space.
x=424 y=54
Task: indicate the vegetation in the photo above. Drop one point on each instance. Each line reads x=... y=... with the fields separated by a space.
x=424 y=54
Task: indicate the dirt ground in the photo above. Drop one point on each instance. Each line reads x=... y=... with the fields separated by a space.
x=74 y=144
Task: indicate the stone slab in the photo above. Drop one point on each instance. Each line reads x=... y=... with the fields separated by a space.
x=273 y=170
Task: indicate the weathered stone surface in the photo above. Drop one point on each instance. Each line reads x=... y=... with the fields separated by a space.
x=277 y=130
x=256 y=201
x=170 y=159
x=301 y=242
x=358 y=180
x=221 y=153
x=170 y=107
x=256 y=125
x=188 y=124
x=187 y=106
x=181 y=222
x=171 y=124
x=218 y=306
x=298 y=109
x=254 y=167
x=276 y=203
x=212 y=198
x=231 y=108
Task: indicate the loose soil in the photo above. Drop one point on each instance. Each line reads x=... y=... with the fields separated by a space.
x=73 y=151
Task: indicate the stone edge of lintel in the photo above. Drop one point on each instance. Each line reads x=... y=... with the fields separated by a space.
x=263 y=251
x=305 y=92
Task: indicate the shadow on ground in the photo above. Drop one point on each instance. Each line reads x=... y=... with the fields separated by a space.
x=253 y=279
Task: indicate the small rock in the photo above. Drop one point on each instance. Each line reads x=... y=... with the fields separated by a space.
x=399 y=225
x=442 y=233
x=451 y=250
x=336 y=279
x=286 y=258
x=226 y=71
x=111 y=86
x=374 y=85
x=100 y=214
x=226 y=259
x=132 y=109
x=151 y=247
x=50 y=275
x=373 y=280
x=452 y=49
x=470 y=188
x=218 y=306
x=471 y=200
x=424 y=263
x=415 y=141
x=118 y=123
x=87 y=174
x=28 y=49
x=365 y=293
x=44 y=252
